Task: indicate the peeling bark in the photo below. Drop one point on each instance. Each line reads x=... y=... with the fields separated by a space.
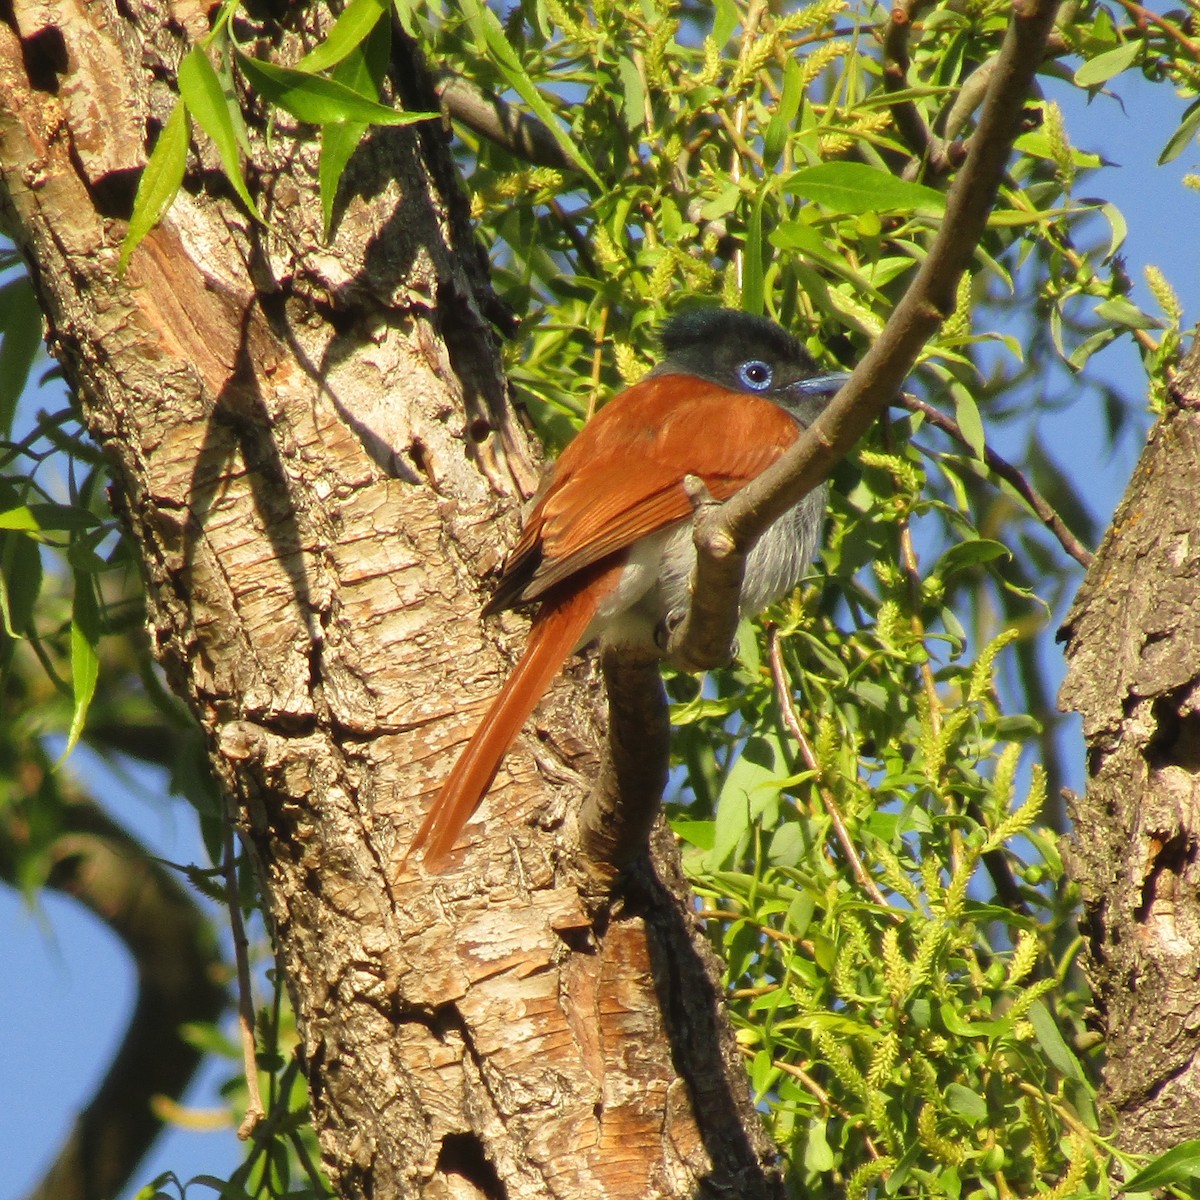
x=312 y=449
x=1133 y=642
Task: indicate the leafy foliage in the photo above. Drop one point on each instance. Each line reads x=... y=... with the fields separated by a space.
x=52 y=510
x=895 y=921
x=896 y=925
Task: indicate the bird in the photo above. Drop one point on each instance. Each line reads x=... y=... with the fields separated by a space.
x=606 y=549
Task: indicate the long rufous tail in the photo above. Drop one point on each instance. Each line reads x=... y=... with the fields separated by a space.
x=555 y=633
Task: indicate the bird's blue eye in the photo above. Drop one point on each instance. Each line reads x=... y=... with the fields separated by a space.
x=756 y=374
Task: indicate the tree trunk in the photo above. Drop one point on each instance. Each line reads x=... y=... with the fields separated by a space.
x=312 y=449
x=1134 y=651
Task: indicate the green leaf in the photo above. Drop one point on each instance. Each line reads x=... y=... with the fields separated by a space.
x=1104 y=66
x=212 y=1039
x=818 y=1156
x=1120 y=311
x=723 y=203
x=966 y=412
x=971 y=1029
x=20 y=340
x=966 y=1103
x=152 y=1190
x=1017 y=727
x=317 y=100
x=1117 y=223
x=1182 y=136
x=749 y=787
x=359 y=18
x=805 y=238
x=362 y=71
x=487 y=29
x=207 y=102
x=1089 y=346
x=1178 y=1165
x=1037 y=142
x=1051 y=1041
x=20 y=518
x=763 y=1073
x=746 y=638
x=1016 y=218
x=63 y=516
x=789 y=105
x=20 y=585
x=789 y=847
x=970 y=554
x=848 y=187
x=407 y=12
x=800 y=911
x=85 y=658
x=753 y=267
x=695 y=833
x=633 y=92
x=160 y=180
x=725 y=21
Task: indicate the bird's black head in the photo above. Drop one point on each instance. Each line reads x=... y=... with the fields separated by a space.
x=749 y=354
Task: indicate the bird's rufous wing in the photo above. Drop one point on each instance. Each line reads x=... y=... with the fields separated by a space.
x=622 y=478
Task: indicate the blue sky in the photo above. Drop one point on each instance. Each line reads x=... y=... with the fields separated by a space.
x=67 y=987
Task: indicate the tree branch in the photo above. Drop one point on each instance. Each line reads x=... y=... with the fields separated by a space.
x=925 y=145
x=517 y=132
x=616 y=818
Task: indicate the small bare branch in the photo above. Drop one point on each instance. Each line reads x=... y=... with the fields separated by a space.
x=1144 y=18
x=703 y=638
x=254 y=1104
x=783 y=693
x=1042 y=507
x=926 y=147
x=615 y=820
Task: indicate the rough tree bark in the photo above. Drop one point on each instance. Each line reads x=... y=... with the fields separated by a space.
x=312 y=448
x=1133 y=643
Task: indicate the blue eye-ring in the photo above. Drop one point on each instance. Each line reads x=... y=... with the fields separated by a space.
x=756 y=375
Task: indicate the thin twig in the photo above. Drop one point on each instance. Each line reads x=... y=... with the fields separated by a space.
x=1013 y=475
x=278 y=1121
x=776 y=935
x=922 y=141
x=254 y=1105
x=1143 y=16
x=580 y=244
x=819 y=1093
x=598 y=348
x=790 y=718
